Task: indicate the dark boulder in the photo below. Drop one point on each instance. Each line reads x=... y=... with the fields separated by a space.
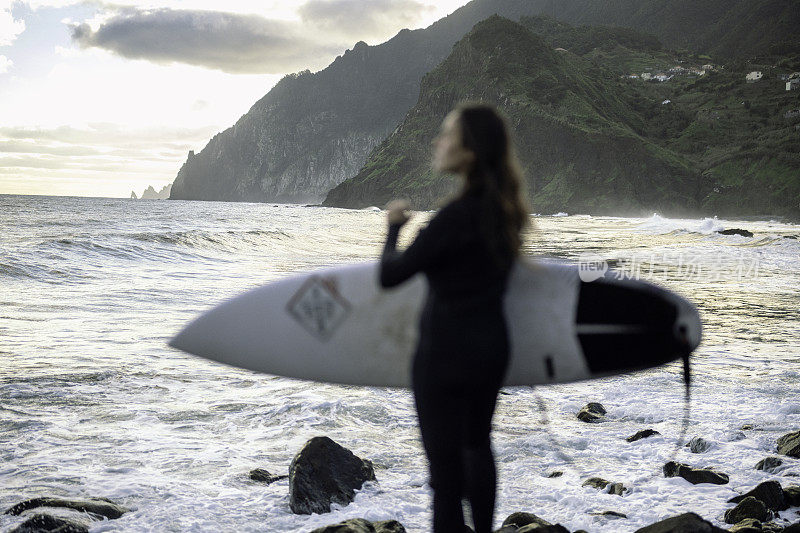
x=748 y=525
x=770 y=493
x=600 y=484
x=592 y=413
x=359 y=525
x=324 y=472
x=685 y=523
x=735 y=231
x=748 y=508
x=789 y=444
x=769 y=464
x=771 y=527
x=42 y=523
x=698 y=445
x=643 y=434
x=792 y=495
x=694 y=475
x=554 y=473
x=263 y=476
x=521 y=519
x=610 y=514
x=553 y=528
x=101 y=507
x=794 y=528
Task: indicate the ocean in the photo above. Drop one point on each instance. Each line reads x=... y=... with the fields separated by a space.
x=94 y=404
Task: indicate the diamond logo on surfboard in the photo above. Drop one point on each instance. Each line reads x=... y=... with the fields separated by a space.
x=318 y=307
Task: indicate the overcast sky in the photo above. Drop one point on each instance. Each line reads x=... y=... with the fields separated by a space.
x=98 y=98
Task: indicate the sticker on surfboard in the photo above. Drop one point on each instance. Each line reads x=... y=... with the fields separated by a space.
x=319 y=307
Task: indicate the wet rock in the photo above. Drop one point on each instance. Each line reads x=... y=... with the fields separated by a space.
x=359 y=525
x=789 y=444
x=769 y=464
x=506 y=529
x=771 y=527
x=263 y=476
x=554 y=528
x=698 y=445
x=685 y=523
x=555 y=473
x=748 y=508
x=747 y=427
x=42 y=523
x=735 y=231
x=324 y=472
x=791 y=495
x=748 y=525
x=610 y=514
x=694 y=475
x=643 y=434
x=770 y=493
x=735 y=436
x=599 y=483
x=592 y=413
x=101 y=507
x=794 y=528
x=521 y=519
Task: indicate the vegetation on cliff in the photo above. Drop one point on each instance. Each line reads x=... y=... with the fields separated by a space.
x=594 y=140
x=314 y=130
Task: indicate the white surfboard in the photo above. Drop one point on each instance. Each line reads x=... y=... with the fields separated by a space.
x=339 y=326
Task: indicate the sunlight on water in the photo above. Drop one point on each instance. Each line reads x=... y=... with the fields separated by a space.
x=93 y=402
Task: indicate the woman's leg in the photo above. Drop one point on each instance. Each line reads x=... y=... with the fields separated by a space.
x=480 y=474
x=440 y=423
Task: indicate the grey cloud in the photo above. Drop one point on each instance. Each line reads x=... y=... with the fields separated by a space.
x=111 y=135
x=101 y=148
x=363 y=18
x=22 y=147
x=224 y=41
x=67 y=164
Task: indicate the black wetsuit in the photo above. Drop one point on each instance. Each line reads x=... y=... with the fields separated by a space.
x=461 y=357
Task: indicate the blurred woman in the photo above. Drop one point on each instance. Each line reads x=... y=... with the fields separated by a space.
x=466 y=253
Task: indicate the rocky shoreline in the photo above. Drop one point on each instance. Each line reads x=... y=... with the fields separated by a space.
x=323 y=473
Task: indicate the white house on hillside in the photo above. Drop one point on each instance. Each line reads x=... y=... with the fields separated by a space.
x=754 y=76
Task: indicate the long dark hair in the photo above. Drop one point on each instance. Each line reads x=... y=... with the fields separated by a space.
x=495 y=176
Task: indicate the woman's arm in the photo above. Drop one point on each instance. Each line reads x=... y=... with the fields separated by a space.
x=432 y=244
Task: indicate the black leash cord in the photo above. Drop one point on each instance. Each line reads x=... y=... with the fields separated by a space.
x=679 y=444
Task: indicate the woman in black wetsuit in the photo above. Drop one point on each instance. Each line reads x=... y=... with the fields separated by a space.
x=466 y=253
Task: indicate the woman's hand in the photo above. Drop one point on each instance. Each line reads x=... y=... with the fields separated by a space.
x=397 y=212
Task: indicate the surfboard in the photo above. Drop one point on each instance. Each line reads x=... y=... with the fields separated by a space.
x=338 y=325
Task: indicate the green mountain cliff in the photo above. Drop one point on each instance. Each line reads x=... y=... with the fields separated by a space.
x=594 y=141
x=314 y=130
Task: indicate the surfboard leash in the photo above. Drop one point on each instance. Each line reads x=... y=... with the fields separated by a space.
x=679 y=443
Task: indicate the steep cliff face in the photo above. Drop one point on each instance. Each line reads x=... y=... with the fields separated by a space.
x=314 y=130
x=575 y=132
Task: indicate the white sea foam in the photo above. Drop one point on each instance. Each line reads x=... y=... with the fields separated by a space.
x=93 y=403
x=659 y=225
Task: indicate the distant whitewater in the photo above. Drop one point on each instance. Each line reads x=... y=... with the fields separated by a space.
x=93 y=402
